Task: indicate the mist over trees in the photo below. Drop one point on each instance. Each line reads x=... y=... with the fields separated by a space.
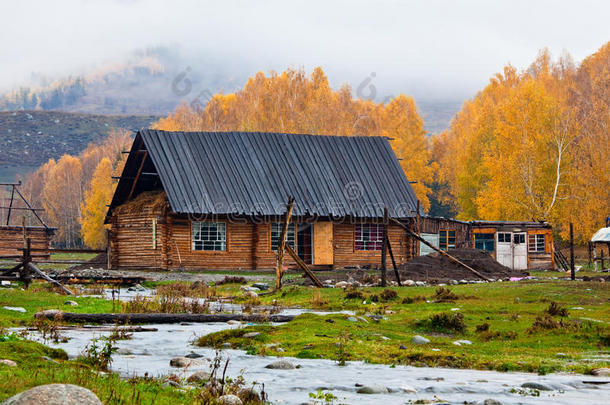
x=532 y=145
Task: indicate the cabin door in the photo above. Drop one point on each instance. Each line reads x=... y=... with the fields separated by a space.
x=305 y=242
x=519 y=251
x=504 y=253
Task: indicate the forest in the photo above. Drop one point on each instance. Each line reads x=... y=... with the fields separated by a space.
x=532 y=145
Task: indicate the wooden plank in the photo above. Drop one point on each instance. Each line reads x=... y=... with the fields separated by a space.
x=135 y=181
x=146 y=318
x=323 y=243
x=303 y=266
x=36 y=270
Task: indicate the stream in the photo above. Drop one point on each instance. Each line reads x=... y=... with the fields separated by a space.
x=150 y=352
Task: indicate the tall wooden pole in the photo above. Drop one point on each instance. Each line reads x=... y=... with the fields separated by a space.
x=282 y=242
x=572 y=267
x=384 y=249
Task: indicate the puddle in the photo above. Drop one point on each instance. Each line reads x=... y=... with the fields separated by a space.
x=152 y=351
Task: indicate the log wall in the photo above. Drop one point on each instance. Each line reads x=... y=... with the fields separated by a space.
x=11 y=240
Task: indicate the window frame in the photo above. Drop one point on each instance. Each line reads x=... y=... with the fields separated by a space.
x=376 y=244
x=536 y=244
x=490 y=237
x=446 y=236
x=294 y=235
x=224 y=242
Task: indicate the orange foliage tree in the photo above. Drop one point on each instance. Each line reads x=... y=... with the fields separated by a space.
x=293 y=102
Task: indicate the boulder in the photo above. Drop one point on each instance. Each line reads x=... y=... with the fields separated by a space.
x=261 y=286
x=182 y=362
x=420 y=340
x=601 y=372
x=8 y=362
x=373 y=389
x=199 y=376
x=536 y=386
x=229 y=400
x=280 y=365
x=55 y=394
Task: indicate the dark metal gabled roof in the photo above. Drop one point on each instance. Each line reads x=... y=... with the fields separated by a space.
x=255 y=173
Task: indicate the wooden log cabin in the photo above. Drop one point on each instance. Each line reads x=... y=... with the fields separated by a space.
x=207 y=200
x=516 y=244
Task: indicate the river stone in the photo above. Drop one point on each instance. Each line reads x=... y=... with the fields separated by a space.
x=261 y=286
x=71 y=303
x=55 y=394
x=536 y=386
x=490 y=401
x=8 y=362
x=463 y=342
x=420 y=340
x=601 y=372
x=408 y=282
x=373 y=389
x=48 y=313
x=233 y=322
x=123 y=351
x=352 y=319
x=251 y=294
x=16 y=309
x=251 y=334
x=420 y=283
x=181 y=362
x=408 y=389
x=341 y=284
x=199 y=376
x=280 y=365
x=229 y=400
x=193 y=355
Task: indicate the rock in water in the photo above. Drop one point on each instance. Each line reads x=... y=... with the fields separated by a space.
x=490 y=401
x=601 y=372
x=55 y=394
x=373 y=389
x=420 y=340
x=536 y=386
x=182 y=362
x=229 y=400
x=199 y=376
x=280 y=365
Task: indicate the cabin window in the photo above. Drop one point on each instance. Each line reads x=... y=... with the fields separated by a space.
x=368 y=237
x=276 y=231
x=446 y=239
x=484 y=241
x=536 y=243
x=209 y=236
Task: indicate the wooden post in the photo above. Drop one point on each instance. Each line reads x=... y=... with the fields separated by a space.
x=279 y=270
x=384 y=249
x=393 y=261
x=108 y=251
x=594 y=257
x=572 y=267
x=10 y=206
x=602 y=259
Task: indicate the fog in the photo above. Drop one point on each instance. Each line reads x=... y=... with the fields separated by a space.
x=433 y=50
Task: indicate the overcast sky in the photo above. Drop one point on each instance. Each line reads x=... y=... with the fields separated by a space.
x=430 y=49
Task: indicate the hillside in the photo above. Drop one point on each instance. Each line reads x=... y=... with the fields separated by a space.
x=30 y=138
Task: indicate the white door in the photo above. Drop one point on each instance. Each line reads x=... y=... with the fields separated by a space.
x=519 y=251
x=504 y=252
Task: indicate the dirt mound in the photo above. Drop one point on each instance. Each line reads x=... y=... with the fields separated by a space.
x=438 y=267
x=99 y=261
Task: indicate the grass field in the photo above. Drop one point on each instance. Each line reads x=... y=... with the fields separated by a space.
x=506 y=323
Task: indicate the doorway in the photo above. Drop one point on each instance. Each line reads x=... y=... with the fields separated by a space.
x=512 y=250
x=305 y=242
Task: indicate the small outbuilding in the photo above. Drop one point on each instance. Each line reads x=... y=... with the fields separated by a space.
x=600 y=240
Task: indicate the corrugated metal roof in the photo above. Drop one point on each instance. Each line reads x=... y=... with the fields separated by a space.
x=254 y=174
x=603 y=235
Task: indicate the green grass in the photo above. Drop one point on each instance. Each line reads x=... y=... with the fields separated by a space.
x=32 y=371
x=509 y=309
